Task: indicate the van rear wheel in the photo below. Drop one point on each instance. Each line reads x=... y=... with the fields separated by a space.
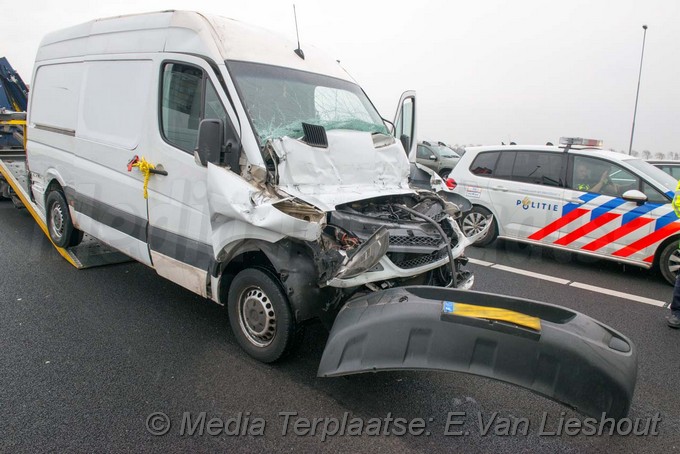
x=59 y=223
x=260 y=316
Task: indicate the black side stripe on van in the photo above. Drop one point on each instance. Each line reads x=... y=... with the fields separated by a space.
x=113 y=217
x=191 y=252
x=66 y=132
x=186 y=250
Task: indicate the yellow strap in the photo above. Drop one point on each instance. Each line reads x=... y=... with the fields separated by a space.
x=495 y=313
x=145 y=167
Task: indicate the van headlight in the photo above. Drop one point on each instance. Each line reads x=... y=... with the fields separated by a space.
x=366 y=256
x=300 y=210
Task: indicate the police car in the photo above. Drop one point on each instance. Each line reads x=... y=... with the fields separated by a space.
x=574 y=197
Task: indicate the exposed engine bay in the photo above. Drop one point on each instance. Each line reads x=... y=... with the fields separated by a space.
x=421 y=231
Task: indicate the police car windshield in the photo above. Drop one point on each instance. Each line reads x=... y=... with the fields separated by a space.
x=656 y=174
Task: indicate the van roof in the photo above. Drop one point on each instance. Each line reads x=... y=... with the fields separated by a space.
x=215 y=37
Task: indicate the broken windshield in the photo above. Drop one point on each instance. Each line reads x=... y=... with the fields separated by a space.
x=278 y=100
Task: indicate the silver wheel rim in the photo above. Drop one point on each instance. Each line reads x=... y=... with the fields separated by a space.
x=57 y=221
x=473 y=223
x=674 y=262
x=256 y=316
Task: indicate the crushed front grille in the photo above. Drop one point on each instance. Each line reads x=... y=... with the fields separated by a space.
x=420 y=260
x=403 y=240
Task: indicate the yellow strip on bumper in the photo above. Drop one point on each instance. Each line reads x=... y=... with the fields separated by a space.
x=492 y=313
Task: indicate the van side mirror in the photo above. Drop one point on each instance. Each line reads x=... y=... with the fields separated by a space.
x=210 y=141
x=433 y=157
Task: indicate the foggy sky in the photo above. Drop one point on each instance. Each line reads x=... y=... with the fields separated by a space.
x=527 y=71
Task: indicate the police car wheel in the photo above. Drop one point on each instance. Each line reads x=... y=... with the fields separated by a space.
x=669 y=261
x=59 y=223
x=474 y=221
x=260 y=316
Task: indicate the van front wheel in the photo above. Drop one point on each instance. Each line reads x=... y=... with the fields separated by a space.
x=260 y=316
x=59 y=223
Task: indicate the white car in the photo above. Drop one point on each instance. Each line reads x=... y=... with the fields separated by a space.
x=586 y=200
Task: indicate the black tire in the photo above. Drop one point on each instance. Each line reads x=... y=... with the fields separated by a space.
x=4 y=189
x=59 y=223
x=669 y=261
x=474 y=220
x=444 y=173
x=260 y=316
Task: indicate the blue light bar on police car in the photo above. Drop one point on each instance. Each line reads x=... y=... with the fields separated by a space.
x=581 y=142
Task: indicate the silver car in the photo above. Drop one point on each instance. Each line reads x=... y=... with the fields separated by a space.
x=437 y=156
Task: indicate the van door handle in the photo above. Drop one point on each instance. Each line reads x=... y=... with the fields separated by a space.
x=578 y=201
x=159 y=171
x=500 y=188
x=136 y=162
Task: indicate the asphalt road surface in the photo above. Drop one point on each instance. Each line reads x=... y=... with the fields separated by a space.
x=88 y=360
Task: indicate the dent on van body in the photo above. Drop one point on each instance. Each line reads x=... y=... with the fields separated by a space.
x=241 y=209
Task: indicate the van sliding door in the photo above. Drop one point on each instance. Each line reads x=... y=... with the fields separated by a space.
x=112 y=124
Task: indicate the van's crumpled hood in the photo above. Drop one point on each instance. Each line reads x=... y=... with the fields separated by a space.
x=350 y=169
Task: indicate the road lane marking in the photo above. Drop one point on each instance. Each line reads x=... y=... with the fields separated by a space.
x=581 y=285
x=544 y=277
x=628 y=296
x=479 y=262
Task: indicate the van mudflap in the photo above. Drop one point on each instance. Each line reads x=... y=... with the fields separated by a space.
x=551 y=350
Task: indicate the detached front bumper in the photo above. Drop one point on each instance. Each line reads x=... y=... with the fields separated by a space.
x=553 y=351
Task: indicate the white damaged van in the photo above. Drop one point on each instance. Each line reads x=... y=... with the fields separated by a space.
x=259 y=175
x=251 y=174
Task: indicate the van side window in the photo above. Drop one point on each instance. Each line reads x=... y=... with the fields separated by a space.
x=213 y=107
x=181 y=104
x=484 y=164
